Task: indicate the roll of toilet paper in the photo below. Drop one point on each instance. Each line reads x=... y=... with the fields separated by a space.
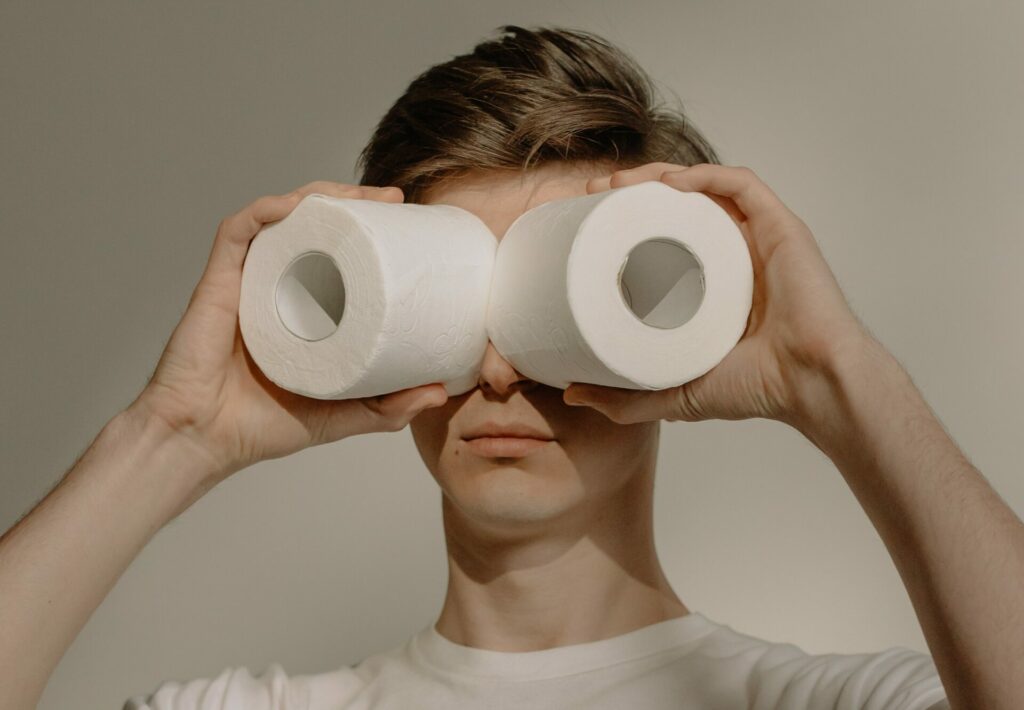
x=348 y=298
x=641 y=287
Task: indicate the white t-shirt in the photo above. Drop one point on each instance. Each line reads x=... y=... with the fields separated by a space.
x=686 y=662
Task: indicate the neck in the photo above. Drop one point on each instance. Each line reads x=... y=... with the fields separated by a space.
x=592 y=574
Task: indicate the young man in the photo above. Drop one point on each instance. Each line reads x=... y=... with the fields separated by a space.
x=556 y=598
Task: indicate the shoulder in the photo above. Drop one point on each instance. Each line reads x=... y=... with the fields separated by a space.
x=237 y=688
x=895 y=678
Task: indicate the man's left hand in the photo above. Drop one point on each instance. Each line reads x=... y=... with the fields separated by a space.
x=799 y=319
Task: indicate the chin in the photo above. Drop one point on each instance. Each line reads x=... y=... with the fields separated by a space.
x=510 y=491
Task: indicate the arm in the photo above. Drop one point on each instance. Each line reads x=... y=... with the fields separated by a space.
x=205 y=414
x=60 y=561
x=958 y=547
x=806 y=360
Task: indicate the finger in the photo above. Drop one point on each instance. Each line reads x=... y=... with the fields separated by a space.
x=629 y=176
x=391 y=193
x=598 y=184
x=223 y=270
x=740 y=184
x=394 y=410
x=642 y=173
x=359 y=192
x=727 y=204
x=329 y=420
x=625 y=406
x=333 y=189
x=236 y=231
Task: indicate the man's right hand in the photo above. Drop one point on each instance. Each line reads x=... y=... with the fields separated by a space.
x=207 y=388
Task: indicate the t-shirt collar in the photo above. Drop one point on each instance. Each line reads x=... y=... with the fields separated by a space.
x=430 y=647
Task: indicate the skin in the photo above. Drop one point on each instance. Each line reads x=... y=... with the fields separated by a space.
x=555 y=547
x=571 y=521
x=206 y=413
x=805 y=360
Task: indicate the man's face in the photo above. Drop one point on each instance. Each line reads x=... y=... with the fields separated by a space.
x=589 y=458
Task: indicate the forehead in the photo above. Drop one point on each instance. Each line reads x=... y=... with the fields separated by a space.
x=499 y=196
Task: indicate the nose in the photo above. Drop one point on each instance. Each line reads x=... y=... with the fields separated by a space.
x=497 y=374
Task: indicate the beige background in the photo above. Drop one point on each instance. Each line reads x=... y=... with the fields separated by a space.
x=131 y=129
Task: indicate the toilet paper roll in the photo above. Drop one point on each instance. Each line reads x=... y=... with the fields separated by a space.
x=348 y=298
x=641 y=287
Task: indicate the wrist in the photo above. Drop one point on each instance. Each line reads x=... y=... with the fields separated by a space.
x=170 y=425
x=832 y=398
x=155 y=449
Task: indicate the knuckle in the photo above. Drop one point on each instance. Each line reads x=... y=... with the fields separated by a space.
x=392 y=423
x=374 y=405
x=327 y=187
x=747 y=173
x=317 y=423
x=385 y=419
x=227 y=224
x=324 y=185
x=679 y=410
x=309 y=187
x=686 y=408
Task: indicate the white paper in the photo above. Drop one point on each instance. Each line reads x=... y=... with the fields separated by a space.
x=556 y=310
x=425 y=286
x=415 y=280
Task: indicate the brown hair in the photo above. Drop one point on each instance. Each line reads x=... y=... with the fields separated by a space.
x=525 y=99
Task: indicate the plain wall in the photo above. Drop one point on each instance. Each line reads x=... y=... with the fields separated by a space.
x=131 y=129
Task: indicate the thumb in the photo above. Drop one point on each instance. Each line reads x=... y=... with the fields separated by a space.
x=395 y=409
x=338 y=419
x=626 y=406
x=414 y=400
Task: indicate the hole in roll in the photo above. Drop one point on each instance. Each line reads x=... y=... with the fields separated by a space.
x=662 y=282
x=310 y=296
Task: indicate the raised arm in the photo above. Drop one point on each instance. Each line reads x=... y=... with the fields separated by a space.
x=206 y=413
x=957 y=545
x=806 y=360
x=60 y=561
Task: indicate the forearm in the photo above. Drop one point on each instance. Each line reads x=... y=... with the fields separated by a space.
x=60 y=561
x=958 y=547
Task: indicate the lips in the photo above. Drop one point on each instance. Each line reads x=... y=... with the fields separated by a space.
x=509 y=430
x=505 y=439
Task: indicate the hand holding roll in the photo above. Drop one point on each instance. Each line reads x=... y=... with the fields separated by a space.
x=799 y=323
x=207 y=389
x=643 y=287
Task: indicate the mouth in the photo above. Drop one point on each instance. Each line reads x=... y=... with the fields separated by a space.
x=506 y=446
x=506 y=440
